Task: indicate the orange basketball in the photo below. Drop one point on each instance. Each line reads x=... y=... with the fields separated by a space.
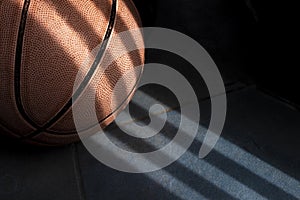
x=43 y=45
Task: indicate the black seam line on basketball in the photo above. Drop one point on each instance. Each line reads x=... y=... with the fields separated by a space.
x=17 y=68
x=86 y=79
x=122 y=104
x=57 y=144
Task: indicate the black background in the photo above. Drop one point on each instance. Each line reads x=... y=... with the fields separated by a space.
x=249 y=40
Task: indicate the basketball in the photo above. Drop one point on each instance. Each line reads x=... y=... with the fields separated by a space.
x=45 y=45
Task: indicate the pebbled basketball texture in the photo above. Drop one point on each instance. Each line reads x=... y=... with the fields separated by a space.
x=43 y=46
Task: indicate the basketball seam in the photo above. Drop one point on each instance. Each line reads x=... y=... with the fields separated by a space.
x=86 y=79
x=122 y=104
x=17 y=67
x=75 y=134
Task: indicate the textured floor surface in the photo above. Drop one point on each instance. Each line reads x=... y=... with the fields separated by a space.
x=257 y=157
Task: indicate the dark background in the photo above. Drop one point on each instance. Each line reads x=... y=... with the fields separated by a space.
x=250 y=40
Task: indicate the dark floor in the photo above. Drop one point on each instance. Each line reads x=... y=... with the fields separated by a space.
x=257 y=157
